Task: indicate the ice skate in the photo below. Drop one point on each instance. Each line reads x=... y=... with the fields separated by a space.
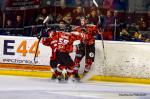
x=63 y=78
x=76 y=78
x=54 y=78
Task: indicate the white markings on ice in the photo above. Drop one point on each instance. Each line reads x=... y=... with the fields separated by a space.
x=12 y=87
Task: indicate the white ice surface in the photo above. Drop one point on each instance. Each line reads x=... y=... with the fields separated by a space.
x=12 y=87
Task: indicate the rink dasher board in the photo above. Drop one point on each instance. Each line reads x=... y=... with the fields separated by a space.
x=123 y=59
x=40 y=74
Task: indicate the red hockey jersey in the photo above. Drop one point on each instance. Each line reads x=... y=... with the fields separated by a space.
x=61 y=41
x=89 y=32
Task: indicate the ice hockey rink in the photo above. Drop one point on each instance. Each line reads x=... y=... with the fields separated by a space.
x=16 y=87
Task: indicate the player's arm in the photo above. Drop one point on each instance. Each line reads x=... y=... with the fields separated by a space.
x=96 y=30
x=47 y=40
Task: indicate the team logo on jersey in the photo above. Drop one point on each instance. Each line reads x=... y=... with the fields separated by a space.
x=91 y=54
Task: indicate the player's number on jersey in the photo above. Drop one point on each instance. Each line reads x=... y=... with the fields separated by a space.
x=23 y=48
x=63 y=41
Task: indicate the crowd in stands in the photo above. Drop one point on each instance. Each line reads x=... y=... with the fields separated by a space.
x=122 y=26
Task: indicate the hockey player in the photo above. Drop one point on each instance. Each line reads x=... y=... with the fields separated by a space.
x=62 y=44
x=53 y=43
x=86 y=48
x=53 y=61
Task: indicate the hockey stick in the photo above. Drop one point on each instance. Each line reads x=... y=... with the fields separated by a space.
x=46 y=20
x=115 y=29
x=37 y=47
x=101 y=33
x=102 y=69
x=95 y=3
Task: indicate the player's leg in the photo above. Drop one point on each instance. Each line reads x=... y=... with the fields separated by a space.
x=69 y=63
x=53 y=64
x=56 y=66
x=61 y=69
x=80 y=52
x=64 y=61
x=90 y=55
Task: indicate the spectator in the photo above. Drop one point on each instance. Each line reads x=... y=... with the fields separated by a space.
x=40 y=18
x=124 y=35
x=137 y=37
x=93 y=18
x=55 y=18
x=77 y=13
x=39 y=21
x=9 y=26
x=18 y=25
x=61 y=25
x=147 y=39
x=107 y=26
x=67 y=18
x=132 y=28
x=19 y=22
x=142 y=24
x=58 y=18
